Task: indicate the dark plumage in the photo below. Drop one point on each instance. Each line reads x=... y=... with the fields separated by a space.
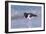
x=31 y=15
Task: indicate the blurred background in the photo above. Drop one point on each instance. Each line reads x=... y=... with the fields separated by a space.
x=18 y=20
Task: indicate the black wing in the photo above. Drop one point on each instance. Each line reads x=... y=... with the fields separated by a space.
x=33 y=15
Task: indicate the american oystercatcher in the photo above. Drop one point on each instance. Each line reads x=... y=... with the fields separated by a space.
x=29 y=15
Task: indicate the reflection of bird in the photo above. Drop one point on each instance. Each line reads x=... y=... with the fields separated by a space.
x=29 y=15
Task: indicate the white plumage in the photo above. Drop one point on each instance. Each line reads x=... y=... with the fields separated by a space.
x=29 y=17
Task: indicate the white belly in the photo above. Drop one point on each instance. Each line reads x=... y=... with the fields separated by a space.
x=29 y=17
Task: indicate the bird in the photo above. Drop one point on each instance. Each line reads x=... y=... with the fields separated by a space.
x=29 y=15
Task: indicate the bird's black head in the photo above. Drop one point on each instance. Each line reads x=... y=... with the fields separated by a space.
x=25 y=15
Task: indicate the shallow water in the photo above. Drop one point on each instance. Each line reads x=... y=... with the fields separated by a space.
x=26 y=23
